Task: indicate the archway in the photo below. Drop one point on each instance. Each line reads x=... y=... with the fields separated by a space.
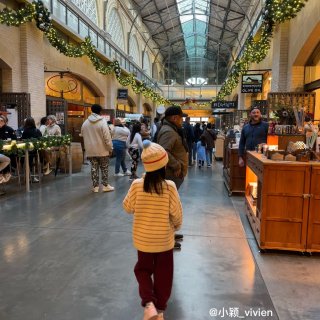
x=147 y=109
x=69 y=98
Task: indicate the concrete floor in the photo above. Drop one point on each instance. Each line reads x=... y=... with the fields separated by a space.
x=66 y=254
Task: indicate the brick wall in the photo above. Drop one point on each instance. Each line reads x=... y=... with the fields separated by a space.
x=10 y=54
x=32 y=72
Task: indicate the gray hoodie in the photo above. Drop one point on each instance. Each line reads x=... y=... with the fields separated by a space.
x=96 y=136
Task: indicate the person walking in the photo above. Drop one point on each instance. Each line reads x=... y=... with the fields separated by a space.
x=201 y=151
x=189 y=134
x=98 y=147
x=197 y=134
x=134 y=145
x=210 y=138
x=252 y=134
x=157 y=213
x=120 y=135
x=171 y=138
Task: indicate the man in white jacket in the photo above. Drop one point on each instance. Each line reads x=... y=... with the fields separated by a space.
x=98 y=147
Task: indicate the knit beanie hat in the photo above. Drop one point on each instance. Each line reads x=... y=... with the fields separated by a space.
x=153 y=156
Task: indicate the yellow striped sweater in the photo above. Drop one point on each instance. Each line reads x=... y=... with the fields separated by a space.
x=156 y=217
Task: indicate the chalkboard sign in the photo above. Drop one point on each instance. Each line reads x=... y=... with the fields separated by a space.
x=251 y=83
x=224 y=105
x=122 y=94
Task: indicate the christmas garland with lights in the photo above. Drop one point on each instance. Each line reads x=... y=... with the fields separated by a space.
x=40 y=14
x=256 y=49
x=18 y=148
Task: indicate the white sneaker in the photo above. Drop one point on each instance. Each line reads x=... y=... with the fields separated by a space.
x=150 y=311
x=95 y=189
x=127 y=173
x=119 y=174
x=48 y=171
x=107 y=188
x=160 y=316
x=7 y=176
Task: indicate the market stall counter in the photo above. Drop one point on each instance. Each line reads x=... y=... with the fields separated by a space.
x=233 y=176
x=283 y=203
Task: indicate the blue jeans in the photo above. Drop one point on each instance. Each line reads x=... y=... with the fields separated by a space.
x=119 y=148
x=209 y=156
x=194 y=151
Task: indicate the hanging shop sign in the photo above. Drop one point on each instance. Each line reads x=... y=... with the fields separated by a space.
x=251 y=83
x=122 y=94
x=62 y=84
x=224 y=105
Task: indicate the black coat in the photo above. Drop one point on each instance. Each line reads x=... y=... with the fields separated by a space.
x=7 y=132
x=29 y=133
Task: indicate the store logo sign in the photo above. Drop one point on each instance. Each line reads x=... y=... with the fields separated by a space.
x=62 y=84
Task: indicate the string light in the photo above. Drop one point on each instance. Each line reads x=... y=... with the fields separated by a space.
x=38 y=12
x=43 y=143
x=256 y=49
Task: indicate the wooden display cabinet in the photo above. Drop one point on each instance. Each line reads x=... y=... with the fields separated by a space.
x=286 y=213
x=313 y=241
x=233 y=176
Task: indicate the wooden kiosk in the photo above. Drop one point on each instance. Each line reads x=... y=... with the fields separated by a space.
x=284 y=212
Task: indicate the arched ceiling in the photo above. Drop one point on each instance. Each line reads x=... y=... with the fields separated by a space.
x=195 y=37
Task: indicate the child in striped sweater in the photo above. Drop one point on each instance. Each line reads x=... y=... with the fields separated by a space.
x=157 y=211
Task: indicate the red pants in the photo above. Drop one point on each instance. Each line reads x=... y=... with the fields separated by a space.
x=158 y=289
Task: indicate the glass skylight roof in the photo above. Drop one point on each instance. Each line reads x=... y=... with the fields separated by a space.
x=194 y=18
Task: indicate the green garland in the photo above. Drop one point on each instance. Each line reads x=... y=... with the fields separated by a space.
x=38 y=12
x=18 y=148
x=255 y=50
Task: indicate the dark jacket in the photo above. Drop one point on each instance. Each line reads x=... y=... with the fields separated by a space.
x=189 y=134
x=210 y=137
x=171 y=139
x=197 y=133
x=252 y=135
x=29 y=133
x=7 y=132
